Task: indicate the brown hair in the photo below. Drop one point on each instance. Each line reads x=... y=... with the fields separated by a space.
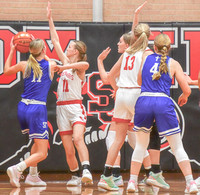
x=82 y=48
x=162 y=43
x=141 y=36
x=35 y=48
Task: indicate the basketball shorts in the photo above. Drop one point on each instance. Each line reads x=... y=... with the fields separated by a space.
x=160 y=109
x=69 y=115
x=124 y=108
x=33 y=120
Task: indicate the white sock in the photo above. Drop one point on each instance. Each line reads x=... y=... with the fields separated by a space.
x=85 y=163
x=33 y=170
x=134 y=178
x=188 y=179
x=21 y=166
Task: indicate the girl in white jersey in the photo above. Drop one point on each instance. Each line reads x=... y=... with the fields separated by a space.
x=123 y=44
x=126 y=96
x=71 y=114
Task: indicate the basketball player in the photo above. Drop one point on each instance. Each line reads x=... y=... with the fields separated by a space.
x=128 y=88
x=123 y=44
x=71 y=114
x=154 y=103
x=32 y=113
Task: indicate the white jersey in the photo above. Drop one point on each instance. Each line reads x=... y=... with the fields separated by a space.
x=129 y=70
x=69 y=86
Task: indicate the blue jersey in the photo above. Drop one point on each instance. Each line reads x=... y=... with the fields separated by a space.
x=38 y=89
x=154 y=102
x=150 y=66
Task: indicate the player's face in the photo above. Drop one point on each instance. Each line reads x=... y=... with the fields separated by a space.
x=122 y=46
x=71 y=49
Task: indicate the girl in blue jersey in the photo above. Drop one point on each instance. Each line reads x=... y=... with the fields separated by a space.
x=32 y=113
x=154 y=103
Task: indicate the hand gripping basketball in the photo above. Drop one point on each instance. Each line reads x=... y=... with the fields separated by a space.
x=22 y=41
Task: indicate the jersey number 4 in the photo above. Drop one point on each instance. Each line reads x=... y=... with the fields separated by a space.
x=129 y=63
x=65 y=86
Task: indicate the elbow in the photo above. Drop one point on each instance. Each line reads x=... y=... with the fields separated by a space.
x=86 y=66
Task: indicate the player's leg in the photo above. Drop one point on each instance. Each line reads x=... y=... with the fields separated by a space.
x=117 y=178
x=137 y=159
x=155 y=177
x=78 y=139
x=146 y=161
x=33 y=177
x=106 y=180
x=71 y=160
x=181 y=156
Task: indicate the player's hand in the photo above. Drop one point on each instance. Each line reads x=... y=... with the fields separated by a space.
x=49 y=10
x=182 y=100
x=12 y=46
x=137 y=11
x=113 y=94
x=58 y=69
x=103 y=55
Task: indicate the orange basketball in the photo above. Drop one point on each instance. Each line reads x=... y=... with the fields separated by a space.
x=22 y=41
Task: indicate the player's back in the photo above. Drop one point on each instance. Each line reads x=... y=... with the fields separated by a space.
x=38 y=89
x=150 y=66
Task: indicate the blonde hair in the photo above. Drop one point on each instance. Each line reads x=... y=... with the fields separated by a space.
x=141 y=34
x=162 y=43
x=127 y=37
x=35 y=48
x=82 y=49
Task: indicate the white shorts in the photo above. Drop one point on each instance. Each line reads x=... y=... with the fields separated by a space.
x=124 y=109
x=68 y=115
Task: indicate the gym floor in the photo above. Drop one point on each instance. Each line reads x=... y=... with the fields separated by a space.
x=56 y=185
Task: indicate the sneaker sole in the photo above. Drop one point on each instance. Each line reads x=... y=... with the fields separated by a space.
x=73 y=185
x=34 y=184
x=121 y=185
x=10 y=175
x=131 y=191
x=104 y=186
x=154 y=183
x=87 y=180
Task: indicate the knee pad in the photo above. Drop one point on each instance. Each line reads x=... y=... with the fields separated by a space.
x=137 y=154
x=154 y=139
x=146 y=154
x=180 y=155
x=110 y=139
x=131 y=138
x=177 y=147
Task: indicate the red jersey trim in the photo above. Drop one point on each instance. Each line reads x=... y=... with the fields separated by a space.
x=70 y=132
x=119 y=120
x=79 y=122
x=60 y=103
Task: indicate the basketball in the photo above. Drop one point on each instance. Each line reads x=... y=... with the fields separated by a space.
x=22 y=41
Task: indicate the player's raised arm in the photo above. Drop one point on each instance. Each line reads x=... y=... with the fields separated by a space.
x=135 y=18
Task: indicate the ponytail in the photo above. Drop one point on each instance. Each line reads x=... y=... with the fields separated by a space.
x=162 y=43
x=36 y=47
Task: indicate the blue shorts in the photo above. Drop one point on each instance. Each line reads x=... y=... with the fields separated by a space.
x=33 y=119
x=160 y=109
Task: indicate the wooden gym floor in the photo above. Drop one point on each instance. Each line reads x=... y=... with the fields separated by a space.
x=56 y=185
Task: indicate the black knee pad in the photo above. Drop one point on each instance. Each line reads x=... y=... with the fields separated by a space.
x=154 y=138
